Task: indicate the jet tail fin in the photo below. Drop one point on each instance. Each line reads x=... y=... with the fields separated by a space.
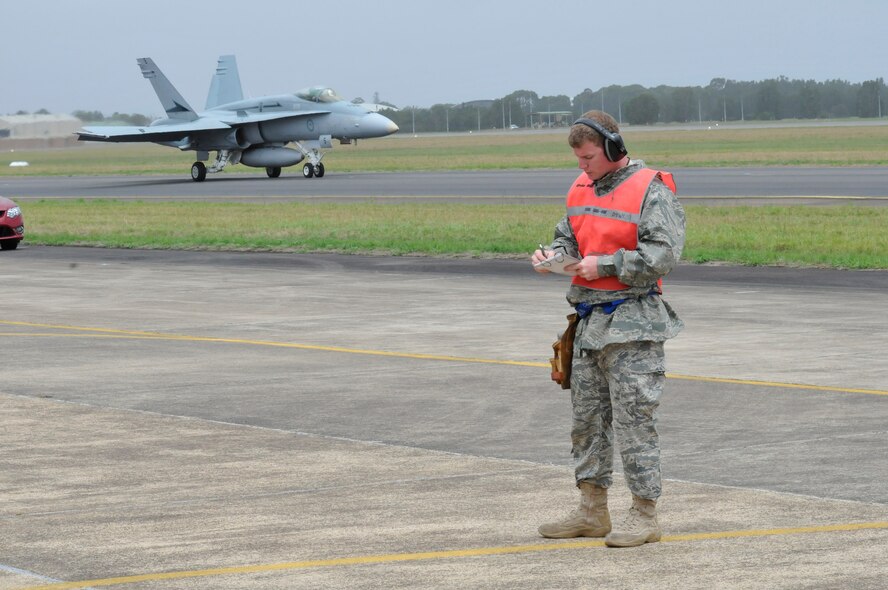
x=226 y=84
x=175 y=106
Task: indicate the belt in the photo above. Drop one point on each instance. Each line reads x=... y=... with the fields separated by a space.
x=583 y=309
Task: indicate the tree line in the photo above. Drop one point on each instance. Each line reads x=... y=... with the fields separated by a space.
x=721 y=100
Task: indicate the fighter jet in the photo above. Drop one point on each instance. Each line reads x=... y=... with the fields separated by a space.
x=255 y=131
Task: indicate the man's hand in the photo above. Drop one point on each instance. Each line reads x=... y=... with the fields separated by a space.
x=538 y=256
x=586 y=268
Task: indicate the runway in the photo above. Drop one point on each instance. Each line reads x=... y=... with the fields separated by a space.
x=252 y=420
x=716 y=186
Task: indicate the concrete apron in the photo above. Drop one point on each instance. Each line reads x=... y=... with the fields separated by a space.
x=169 y=502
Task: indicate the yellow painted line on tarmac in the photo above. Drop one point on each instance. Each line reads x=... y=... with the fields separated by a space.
x=58 y=335
x=159 y=336
x=776 y=384
x=452 y=554
x=113 y=333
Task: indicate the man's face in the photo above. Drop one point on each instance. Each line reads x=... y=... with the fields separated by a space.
x=592 y=161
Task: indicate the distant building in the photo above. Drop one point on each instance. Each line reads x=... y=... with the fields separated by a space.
x=541 y=119
x=38 y=131
x=37 y=126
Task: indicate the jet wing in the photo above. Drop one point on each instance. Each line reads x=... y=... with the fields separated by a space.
x=236 y=118
x=171 y=132
x=176 y=131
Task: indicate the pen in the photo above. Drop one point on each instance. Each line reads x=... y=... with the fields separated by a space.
x=542 y=250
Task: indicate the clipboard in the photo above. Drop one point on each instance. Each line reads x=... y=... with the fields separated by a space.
x=556 y=263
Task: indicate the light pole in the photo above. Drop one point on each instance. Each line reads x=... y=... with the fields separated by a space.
x=725 y=101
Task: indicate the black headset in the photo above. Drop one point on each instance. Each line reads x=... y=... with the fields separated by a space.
x=614 y=148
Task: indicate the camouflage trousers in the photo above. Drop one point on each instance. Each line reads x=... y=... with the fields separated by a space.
x=615 y=393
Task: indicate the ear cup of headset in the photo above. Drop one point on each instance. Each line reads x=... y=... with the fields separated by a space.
x=614 y=148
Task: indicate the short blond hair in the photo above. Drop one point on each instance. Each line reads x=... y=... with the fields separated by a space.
x=580 y=134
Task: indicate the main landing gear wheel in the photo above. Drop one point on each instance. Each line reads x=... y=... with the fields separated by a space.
x=198 y=172
x=309 y=170
x=273 y=171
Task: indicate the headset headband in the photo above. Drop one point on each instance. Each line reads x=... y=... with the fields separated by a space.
x=597 y=127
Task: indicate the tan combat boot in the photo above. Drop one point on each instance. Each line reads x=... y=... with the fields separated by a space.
x=591 y=519
x=639 y=527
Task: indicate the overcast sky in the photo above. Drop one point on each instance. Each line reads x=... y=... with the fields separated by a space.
x=65 y=55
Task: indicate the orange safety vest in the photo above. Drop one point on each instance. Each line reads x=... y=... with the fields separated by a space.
x=604 y=224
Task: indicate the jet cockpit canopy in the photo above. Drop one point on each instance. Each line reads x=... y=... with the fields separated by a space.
x=319 y=94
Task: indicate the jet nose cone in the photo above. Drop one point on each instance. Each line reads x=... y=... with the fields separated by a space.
x=376 y=125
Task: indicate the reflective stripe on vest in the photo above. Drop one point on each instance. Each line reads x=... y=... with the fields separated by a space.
x=604 y=224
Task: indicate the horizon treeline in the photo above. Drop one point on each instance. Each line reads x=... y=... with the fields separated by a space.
x=722 y=100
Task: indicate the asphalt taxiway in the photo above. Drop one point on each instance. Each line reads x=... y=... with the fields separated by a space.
x=249 y=420
x=718 y=186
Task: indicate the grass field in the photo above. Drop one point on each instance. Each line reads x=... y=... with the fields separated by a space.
x=842 y=237
x=659 y=147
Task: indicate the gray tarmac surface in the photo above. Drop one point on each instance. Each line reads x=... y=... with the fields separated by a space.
x=247 y=420
x=717 y=186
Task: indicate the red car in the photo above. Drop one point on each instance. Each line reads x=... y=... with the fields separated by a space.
x=12 y=224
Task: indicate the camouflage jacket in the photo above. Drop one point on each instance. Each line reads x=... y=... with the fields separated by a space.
x=661 y=235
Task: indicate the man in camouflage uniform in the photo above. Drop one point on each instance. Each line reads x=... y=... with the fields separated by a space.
x=618 y=363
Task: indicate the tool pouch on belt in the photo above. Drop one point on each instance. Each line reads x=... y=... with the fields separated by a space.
x=563 y=348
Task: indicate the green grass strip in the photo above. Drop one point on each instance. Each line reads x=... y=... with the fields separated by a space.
x=840 y=237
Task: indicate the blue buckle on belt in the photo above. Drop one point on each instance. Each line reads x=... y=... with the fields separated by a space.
x=584 y=309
